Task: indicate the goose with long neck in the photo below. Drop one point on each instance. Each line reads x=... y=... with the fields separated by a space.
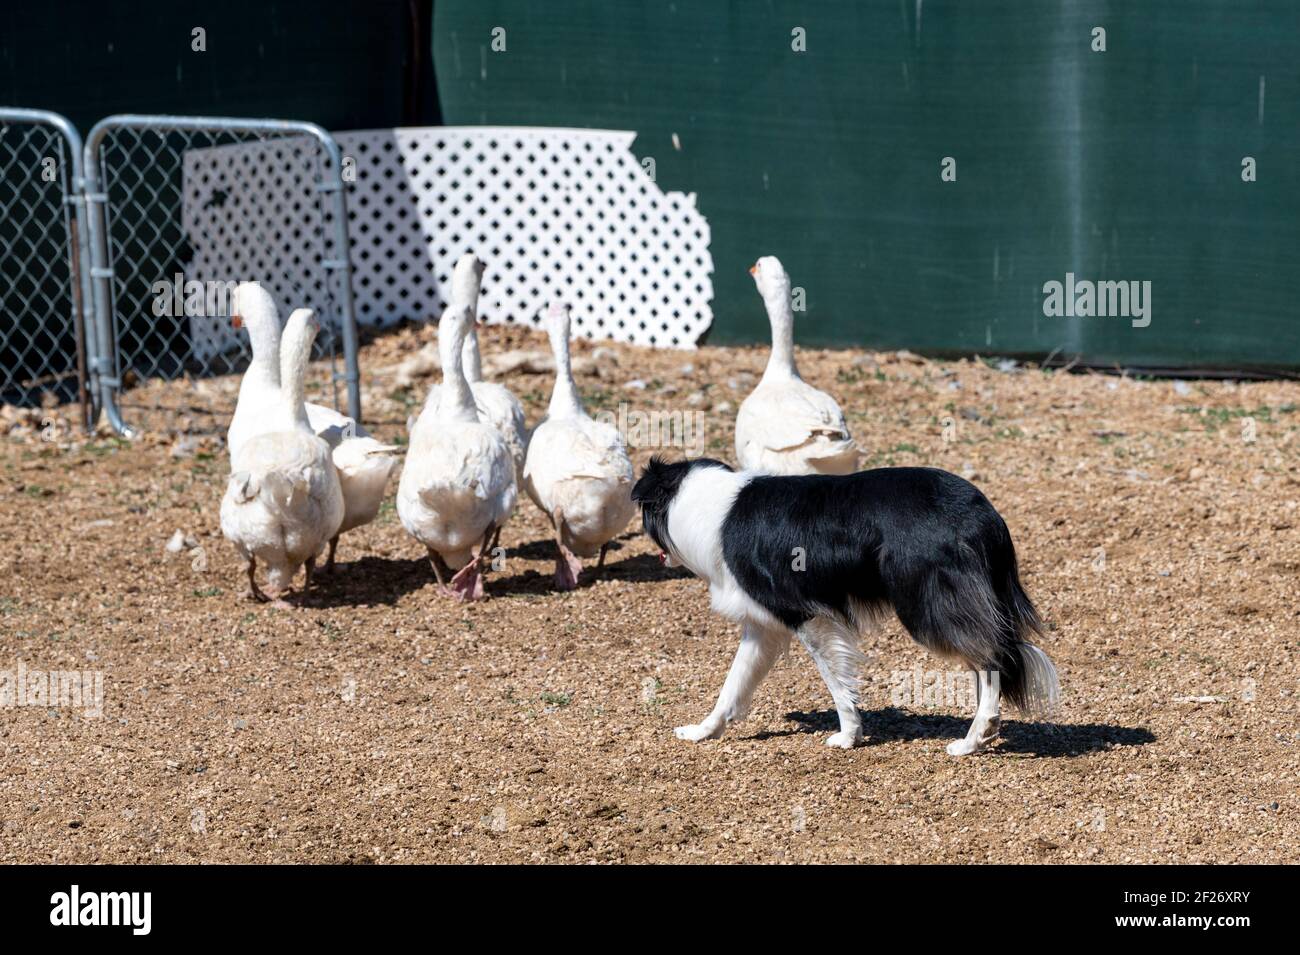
x=496 y=405
x=786 y=426
x=774 y=289
x=295 y=355
x=466 y=284
x=577 y=469
x=565 y=400
x=364 y=464
x=283 y=501
x=457 y=401
x=458 y=486
x=253 y=309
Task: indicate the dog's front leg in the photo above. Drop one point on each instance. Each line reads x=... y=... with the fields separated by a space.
x=759 y=648
x=834 y=648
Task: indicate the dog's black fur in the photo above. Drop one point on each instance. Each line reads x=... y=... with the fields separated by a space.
x=920 y=540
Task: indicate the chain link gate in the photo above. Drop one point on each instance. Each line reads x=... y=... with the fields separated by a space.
x=45 y=306
x=181 y=210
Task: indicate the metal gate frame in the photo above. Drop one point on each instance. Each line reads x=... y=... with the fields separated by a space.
x=83 y=309
x=104 y=369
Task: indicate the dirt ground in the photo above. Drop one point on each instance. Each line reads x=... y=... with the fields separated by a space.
x=1158 y=533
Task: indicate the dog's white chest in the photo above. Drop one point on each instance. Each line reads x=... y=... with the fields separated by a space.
x=730 y=601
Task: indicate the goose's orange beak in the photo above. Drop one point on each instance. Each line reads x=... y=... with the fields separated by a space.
x=236 y=321
x=753 y=269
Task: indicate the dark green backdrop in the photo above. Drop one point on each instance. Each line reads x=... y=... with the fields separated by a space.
x=341 y=63
x=338 y=63
x=1119 y=165
x=1122 y=165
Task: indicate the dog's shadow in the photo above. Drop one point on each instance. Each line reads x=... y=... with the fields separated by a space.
x=1040 y=740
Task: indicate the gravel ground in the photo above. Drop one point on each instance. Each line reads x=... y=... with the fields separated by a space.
x=1158 y=533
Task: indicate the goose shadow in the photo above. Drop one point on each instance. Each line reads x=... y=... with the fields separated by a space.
x=541 y=549
x=384 y=580
x=369 y=580
x=544 y=548
x=645 y=567
x=637 y=568
x=1036 y=739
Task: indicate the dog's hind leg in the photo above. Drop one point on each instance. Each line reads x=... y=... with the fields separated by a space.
x=987 y=724
x=758 y=651
x=954 y=611
x=834 y=648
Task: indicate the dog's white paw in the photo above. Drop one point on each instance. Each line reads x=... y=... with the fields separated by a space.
x=980 y=738
x=697 y=731
x=843 y=740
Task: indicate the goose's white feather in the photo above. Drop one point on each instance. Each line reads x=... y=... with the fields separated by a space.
x=458 y=480
x=459 y=477
x=786 y=426
x=259 y=390
x=364 y=464
x=496 y=405
x=283 y=501
x=792 y=428
x=576 y=467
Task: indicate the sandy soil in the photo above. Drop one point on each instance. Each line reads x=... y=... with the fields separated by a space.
x=1158 y=533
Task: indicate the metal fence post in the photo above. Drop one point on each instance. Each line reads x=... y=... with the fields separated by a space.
x=115 y=210
x=104 y=369
x=81 y=309
x=341 y=265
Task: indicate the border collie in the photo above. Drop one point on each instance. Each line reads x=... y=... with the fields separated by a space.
x=822 y=556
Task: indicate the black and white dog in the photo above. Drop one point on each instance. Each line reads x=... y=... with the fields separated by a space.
x=821 y=556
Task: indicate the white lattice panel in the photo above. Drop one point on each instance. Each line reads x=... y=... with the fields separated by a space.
x=567 y=214
x=251 y=212
x=556 y=214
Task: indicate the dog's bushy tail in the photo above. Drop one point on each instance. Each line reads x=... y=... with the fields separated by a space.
x=974 y=608
x=1028 y=677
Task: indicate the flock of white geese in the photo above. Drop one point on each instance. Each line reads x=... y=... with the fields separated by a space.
x=302 y=474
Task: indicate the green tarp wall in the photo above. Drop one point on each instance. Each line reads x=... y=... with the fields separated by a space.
x=1116 y=165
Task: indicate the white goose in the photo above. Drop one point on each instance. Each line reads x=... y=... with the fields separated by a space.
x=364 y=464
x=252 y=308
x=496 y=405
x=786 y=426
x=283 y=501
x=577 y=470
x=458 y=485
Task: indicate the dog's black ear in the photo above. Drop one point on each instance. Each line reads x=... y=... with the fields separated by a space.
x=642 y=489
x=652 y=480
x=654 y=492
x=661 y=480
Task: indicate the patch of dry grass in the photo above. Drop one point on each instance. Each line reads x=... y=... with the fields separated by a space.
x=1158 y=533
